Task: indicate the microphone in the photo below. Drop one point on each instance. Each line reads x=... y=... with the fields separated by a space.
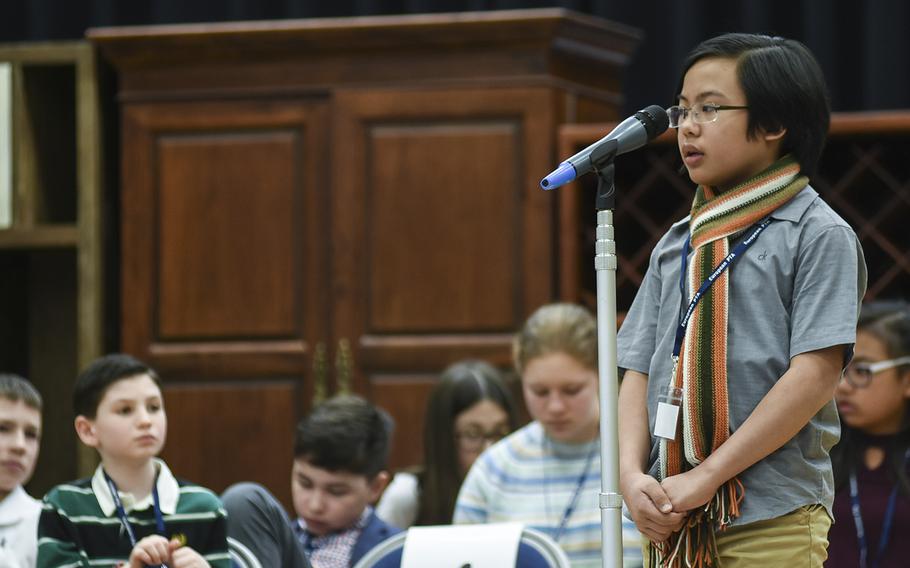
x=631 y=134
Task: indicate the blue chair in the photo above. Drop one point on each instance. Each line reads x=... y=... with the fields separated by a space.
x=535 y=550
x=241 y=556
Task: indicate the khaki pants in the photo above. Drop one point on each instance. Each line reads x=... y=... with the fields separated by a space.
x=798 y=539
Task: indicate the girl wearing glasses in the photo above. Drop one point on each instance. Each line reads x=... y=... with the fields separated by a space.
x=872 y=498
x=547 y=474
x=469 y=409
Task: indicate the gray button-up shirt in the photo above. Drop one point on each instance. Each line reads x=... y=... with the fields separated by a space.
x=798 y=288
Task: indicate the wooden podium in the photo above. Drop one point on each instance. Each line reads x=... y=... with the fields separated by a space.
x=309 y=206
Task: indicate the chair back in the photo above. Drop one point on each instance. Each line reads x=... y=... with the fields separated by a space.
x=535 y=550
x=241 y=556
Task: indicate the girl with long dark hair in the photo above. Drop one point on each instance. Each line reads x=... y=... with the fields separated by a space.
x=469 y=409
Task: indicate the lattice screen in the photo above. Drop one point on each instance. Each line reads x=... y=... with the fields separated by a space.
x=867 y=180
x=864 y=175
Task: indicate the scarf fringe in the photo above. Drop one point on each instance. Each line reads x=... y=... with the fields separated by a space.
x=695 y=544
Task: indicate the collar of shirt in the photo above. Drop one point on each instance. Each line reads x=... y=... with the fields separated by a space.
x=306 y=536
x=168 y=493
x=16 y=507
x=794 y=209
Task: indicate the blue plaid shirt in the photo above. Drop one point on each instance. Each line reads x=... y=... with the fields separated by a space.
x=331 y=550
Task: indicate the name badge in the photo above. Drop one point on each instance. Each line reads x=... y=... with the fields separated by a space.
x=667 y=419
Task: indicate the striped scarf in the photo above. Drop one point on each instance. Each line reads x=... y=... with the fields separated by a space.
x=701 y=370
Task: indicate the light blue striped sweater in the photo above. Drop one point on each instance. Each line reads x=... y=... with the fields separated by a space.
x=530 y=478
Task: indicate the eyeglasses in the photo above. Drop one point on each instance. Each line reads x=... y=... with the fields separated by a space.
x=701 y=114
x=859 y=375
x=474 y=440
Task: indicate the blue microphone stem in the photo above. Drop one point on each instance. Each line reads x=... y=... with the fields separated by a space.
x=560 y=176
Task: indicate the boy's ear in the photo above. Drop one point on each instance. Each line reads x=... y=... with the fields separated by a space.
x=85 y=429
x=378 y=485
x=774 y=135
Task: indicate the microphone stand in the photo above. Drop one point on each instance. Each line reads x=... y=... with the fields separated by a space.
x=605 y=269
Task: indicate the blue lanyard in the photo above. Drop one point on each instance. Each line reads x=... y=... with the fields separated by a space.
x=718 y=270
x=570 y=508
x=886 y=523
x=121 y=512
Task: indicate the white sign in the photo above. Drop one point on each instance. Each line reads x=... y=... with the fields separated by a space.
x=478 y=546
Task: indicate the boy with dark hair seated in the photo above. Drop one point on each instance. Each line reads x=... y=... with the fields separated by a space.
x=132 y=510
x=20 y=433
x=340 y=454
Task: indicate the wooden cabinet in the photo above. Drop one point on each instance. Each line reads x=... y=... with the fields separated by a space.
x=355 y=202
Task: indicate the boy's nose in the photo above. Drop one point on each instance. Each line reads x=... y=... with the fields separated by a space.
x=143 y=416
x=688 y=126
x=317 y=502
x=18 y=442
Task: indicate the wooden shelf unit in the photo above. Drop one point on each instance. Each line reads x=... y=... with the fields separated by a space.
x=51 y=289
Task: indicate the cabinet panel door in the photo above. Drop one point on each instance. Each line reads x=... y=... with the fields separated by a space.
x=223 y=275
x=224 y=235
x=442 y=240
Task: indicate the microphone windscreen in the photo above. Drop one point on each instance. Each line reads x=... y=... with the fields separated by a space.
x=655 y=120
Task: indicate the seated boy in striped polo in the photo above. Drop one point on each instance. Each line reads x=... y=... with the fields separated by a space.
x=132 y=511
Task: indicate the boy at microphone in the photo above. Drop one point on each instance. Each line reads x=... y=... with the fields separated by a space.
x=737 y=473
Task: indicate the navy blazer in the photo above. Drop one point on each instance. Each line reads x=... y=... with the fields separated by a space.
x=373 y=533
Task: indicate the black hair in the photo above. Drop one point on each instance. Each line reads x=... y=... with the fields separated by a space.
x=784 y=87
x=345 y=433
x=461 y=386
x=94 y=381
x=16 y=388
x=888 y=321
